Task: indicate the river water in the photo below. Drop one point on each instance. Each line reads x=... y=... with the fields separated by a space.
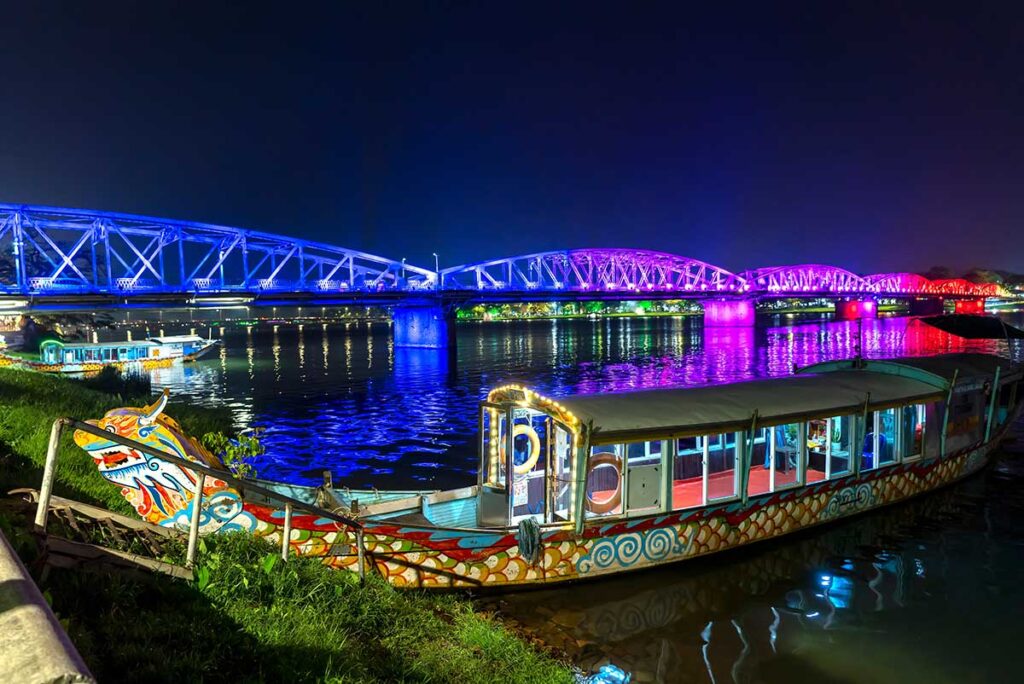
x=925 y=591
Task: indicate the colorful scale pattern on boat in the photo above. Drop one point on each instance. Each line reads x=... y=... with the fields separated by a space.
x=87 y=367
x=410 y=556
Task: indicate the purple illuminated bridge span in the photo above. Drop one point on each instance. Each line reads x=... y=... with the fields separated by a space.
x=59 y=258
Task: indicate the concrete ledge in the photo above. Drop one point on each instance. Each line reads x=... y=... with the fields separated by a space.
x=33 y=646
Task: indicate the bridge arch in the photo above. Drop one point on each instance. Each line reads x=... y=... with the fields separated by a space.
x=805 y=279
x=959 y=287
x=901 y=284
x=52 y=251
x=594 y=270
x=915 y=284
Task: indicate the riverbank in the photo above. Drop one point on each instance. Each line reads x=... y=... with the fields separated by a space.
x=249 y=616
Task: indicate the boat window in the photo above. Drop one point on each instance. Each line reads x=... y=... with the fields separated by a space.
x=879 y=440
x=721 y=466
x=933 y=414
x=604 y=481
x=492 y=433
x=817 y=456
x=911 y=431
x=786 y=445
x=561 y=479
x=644 y=451
x=759 y=464
x=529 y=463
x=686 y=445
x=828 y=447
x=688 y=473
x=841 y=445
x=964 y=426
x=643 y=475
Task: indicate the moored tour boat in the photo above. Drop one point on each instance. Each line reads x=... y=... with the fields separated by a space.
x=588 y=486
x=56 y=356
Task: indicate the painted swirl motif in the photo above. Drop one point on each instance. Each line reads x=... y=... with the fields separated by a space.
x=659 y=544
x=626 y=550
x=603 y=555
x=848 y=500
x=629 y=548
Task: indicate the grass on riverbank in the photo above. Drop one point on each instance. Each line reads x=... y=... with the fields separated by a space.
x=30 y=402
x=251 y=617
x=259 y=619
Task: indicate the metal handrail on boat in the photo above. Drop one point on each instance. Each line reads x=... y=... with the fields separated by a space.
x=290 y=504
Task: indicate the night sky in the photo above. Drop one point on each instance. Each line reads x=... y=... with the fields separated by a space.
x=873 y=137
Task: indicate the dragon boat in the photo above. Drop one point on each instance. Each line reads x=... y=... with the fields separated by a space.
x=584 y=487
x=57 y=356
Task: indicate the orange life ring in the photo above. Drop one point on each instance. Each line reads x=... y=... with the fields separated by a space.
x=600 y=508
x=534 y=454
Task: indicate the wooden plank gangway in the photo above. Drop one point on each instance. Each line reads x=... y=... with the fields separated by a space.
x=80 y=535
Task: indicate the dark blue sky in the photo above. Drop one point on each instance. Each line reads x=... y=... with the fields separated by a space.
x=873 y=137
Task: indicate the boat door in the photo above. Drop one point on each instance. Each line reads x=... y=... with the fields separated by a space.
x=517 y=446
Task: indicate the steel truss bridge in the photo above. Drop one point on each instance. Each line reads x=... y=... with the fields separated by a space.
x=632 y=273
x=54 y=255
x=63 y=254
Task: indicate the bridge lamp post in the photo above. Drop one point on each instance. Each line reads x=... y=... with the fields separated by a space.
x=403 y=268
x=437 y=272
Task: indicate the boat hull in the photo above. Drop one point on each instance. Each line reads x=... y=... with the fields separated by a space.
x=90 y=367
x=444 y=559
x=438 y=557
x=165 y=361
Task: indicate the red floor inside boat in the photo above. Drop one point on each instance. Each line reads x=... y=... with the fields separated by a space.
x=687 y=493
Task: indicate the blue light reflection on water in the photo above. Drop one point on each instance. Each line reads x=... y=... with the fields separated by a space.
x=926 y=590
x=343 y=398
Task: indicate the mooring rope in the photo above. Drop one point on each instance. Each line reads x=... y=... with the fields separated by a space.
x=528 y=538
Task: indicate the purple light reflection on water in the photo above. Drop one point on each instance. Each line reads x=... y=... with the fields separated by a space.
x=347 y=400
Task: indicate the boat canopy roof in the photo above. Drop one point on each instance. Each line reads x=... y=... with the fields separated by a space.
x=98 y=345
x=968 y=369
x=965 y=366
x=177 y=339
x=832 y=390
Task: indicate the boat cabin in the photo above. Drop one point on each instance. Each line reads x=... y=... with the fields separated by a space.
x=600 y=458
x=182 y=345
x=55 y=351
x=70 y=353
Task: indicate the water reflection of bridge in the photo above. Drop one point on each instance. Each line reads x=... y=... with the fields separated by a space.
x=69 y=257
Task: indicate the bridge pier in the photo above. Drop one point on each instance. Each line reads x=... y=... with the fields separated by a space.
x=729 y=313
x=852 y=309
x=425 y=324
x=927 y=306
x=969 y=306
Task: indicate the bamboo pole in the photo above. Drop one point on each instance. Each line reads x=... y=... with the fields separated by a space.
x=49 y=472
x=286 y=535
x=193 y=530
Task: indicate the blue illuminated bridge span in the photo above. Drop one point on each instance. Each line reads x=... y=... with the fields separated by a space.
x=54 y=257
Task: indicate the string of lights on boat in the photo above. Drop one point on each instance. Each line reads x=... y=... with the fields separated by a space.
x=47 y=251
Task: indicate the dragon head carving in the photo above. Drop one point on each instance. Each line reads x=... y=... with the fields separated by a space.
x=161 y=492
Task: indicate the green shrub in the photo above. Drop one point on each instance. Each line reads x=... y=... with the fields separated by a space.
x=124 y=384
